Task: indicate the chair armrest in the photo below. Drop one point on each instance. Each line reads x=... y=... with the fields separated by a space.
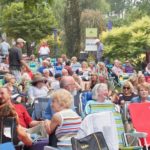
x=137 y=134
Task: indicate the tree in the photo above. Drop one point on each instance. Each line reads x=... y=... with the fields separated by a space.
x=128 y=42
x=31 y=26
x=72 y=27
x=58 y=10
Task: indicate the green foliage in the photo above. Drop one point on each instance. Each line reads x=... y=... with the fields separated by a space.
x=128 y=42
x=32 y=26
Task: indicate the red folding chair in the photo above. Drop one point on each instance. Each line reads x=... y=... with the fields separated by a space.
x=140 y=115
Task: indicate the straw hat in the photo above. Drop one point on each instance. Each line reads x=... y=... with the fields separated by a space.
x=38 y=78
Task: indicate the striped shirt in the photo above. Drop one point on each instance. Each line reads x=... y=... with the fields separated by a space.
x=70 y=125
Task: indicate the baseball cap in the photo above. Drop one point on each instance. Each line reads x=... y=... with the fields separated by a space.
x=97 y=40
x=20 y=40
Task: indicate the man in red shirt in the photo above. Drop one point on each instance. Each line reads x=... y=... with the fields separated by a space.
x=25 y=120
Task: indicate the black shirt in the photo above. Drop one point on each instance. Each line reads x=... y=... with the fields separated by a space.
x=15 y=57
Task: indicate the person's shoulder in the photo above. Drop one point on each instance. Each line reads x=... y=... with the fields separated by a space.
x=135 y=99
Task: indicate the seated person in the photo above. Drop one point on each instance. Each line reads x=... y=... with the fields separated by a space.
x=38 y=88
x=25 y=121
x=8 y=110
x=45 y=64
x=126 y=95
x=61 y=104
x=99 y=96
x=143 y=92
x=128 y=67
x=10 y=84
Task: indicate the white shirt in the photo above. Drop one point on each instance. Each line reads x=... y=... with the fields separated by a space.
x=44 y=50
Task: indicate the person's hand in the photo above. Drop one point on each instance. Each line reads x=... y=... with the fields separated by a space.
x=47 y=125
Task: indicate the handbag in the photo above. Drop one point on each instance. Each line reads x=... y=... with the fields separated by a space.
x=94 y=141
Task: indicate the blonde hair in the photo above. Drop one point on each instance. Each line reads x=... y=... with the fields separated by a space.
x=128 y=83
x=8 y=77
x=63 y=97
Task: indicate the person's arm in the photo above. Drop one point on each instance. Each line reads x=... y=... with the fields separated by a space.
x=34 y=123
x=52 y=125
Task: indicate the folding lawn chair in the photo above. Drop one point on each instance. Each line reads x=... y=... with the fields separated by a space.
x=84 y=97
x=8 y=132
x=122 y=136
x=141 y=120
x=39 y=107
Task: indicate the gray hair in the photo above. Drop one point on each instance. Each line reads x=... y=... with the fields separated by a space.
x=98 y=87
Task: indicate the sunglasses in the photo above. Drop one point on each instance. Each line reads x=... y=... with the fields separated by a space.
x=128 y=88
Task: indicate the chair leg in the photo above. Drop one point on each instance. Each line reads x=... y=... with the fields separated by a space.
x=146 y=145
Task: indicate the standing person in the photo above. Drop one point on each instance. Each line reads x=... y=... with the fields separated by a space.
x=4 y=47
x=16 y=60
x=100 y=49
x=44 y=50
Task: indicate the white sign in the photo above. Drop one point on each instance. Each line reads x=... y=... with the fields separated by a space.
x=90 y=45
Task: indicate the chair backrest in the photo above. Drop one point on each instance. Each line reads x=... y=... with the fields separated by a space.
x=100 y=122
x=94 y=108
x=83 y=99
x=8 y=132
x=140 y=117
x=7 y=146
x=58 y=69
x=39 y=107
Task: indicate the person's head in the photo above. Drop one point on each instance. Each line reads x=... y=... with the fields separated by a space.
x=64 y=57
x=116 y=63
x=61 y=99
x=97 y=41
x=60 y=61
x=5 y=95
x=101 y=65
x=38 y=81
x=100 y=92
x=143 y=90
x=91 y=64
x=84 y=64
x=74 y=59
x=141 y=78
x=134 y=80
x=68 y=63
x=94 y=77
x=58 y=76
x=46 y=73
x=68 y=83
x=65 y=72
x=127 y=88
x=9 y=78
x=20 y=42
x=32 y=57
x=45 y=63
x=127 y=62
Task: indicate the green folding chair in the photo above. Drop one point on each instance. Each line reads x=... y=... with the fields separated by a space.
x=122 y=136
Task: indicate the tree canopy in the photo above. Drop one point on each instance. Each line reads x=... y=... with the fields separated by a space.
x=128 y=42
x=32 y=25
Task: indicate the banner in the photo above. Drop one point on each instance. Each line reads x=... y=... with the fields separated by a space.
x=90 y=45
x=91 y=33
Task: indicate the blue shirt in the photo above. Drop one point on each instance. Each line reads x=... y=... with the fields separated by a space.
x=138 y=99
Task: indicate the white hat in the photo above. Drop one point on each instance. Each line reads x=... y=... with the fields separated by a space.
x=97 y=41
x=20 y=40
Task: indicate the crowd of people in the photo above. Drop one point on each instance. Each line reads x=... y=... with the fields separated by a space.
x=62 y=79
